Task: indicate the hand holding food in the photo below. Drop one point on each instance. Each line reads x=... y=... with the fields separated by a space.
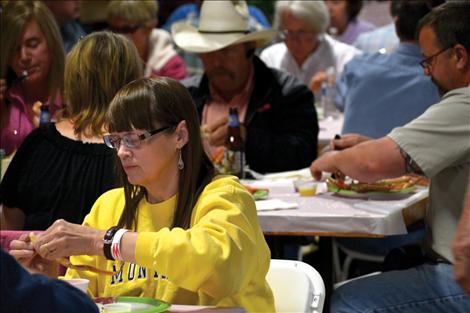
x=64 y=239
x=22 y=250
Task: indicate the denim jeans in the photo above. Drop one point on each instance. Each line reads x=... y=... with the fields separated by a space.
x=428 y=288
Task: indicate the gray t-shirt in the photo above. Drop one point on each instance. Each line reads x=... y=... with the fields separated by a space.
x=439 y=142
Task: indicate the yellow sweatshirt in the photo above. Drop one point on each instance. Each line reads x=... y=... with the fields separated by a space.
x=222 y=259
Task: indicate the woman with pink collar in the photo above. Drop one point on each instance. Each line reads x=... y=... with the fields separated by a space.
x=32 y=68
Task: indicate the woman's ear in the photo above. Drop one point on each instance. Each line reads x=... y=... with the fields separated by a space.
x=182 y=135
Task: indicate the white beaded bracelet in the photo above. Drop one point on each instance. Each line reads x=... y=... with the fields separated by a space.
x=116 y=244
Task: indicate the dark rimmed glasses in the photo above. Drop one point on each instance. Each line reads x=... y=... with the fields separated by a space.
x=427 y=63
x=131 y=141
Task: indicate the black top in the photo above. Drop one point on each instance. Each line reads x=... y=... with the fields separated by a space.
x=53 y=177
x=281 y=120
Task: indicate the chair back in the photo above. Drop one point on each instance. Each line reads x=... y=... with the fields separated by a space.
x=297 y=286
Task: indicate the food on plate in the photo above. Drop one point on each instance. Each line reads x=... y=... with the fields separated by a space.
x=257 y=193
x=385 y=185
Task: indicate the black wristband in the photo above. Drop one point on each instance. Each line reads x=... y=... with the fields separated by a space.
x=108 y=240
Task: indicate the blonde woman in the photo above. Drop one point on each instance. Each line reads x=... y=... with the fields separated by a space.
x=137 y=20
x=62 y=168
x=31 y=69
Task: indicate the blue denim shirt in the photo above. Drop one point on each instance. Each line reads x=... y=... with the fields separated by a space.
x=379 y=92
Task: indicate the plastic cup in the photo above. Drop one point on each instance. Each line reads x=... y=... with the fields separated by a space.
x=308 y=189
x=80 y=283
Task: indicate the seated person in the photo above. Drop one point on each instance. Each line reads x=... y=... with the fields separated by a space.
x=435 y=144
x=306 y=50
x=279 y=120
x=345 y=25
x=62 y=168
x=32 y=66
x=378 y=92
x=66 y=13
x=189 y=13
x=137 y=20
x=35 y=293
x=179 y=232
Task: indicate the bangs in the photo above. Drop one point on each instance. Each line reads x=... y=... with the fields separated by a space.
x=131 y=109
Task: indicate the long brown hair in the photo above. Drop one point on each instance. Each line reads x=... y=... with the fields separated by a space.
x=149 y=104
x=13 y=18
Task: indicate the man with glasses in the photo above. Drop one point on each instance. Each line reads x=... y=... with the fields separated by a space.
x=436 y=144
x=306 y=51
x=279 y=120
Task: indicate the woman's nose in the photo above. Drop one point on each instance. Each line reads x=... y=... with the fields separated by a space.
x=25 y=55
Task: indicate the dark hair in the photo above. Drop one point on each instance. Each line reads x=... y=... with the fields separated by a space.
x=449 y=22
x=408 y=14
x=149 y=104
x=353 y=7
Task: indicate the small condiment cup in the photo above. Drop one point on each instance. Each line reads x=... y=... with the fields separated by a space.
x=308 y=189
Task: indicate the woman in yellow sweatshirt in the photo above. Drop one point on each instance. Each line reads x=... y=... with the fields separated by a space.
x=193 y=238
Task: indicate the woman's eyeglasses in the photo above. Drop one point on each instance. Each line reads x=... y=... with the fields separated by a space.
x=301 y=35
x=427 y=63
x=131 y=141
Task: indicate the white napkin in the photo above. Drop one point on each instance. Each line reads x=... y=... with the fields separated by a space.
x=274 y=204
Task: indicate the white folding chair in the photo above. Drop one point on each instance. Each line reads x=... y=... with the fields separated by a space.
x=297 y=287
x=341 y=273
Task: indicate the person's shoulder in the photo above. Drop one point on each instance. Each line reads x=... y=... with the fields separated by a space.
x=112 y=195
x=224 y=181
x=274 y=49
x=341 y=48
x=458 y=95
x=192 y=81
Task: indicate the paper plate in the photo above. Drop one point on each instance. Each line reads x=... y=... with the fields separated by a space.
x=134 y=304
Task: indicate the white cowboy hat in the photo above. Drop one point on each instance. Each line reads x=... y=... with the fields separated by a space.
x=221 y=24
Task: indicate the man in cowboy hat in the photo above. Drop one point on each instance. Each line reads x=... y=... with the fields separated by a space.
x=279 y=120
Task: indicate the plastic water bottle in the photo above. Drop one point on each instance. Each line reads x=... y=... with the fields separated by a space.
x=327 y=94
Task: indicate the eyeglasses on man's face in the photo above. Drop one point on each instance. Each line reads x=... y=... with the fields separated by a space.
x=286 y=34
x=427 y=63
x=131 y=141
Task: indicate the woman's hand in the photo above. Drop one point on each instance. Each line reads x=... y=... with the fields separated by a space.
x=64 y=239
x=317 y=79
x=22 y=250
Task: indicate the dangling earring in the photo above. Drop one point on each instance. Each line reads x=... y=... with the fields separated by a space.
x=180 y=162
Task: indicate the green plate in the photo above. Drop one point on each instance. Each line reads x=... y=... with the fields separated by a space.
x=374 y=195
x=260 y=195
x=141 y=304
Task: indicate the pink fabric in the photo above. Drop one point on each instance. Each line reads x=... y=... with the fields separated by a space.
x=19 y=123
x=174 y=68
x=7 y=236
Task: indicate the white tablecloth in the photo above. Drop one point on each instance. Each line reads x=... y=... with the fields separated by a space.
x=328 y=213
